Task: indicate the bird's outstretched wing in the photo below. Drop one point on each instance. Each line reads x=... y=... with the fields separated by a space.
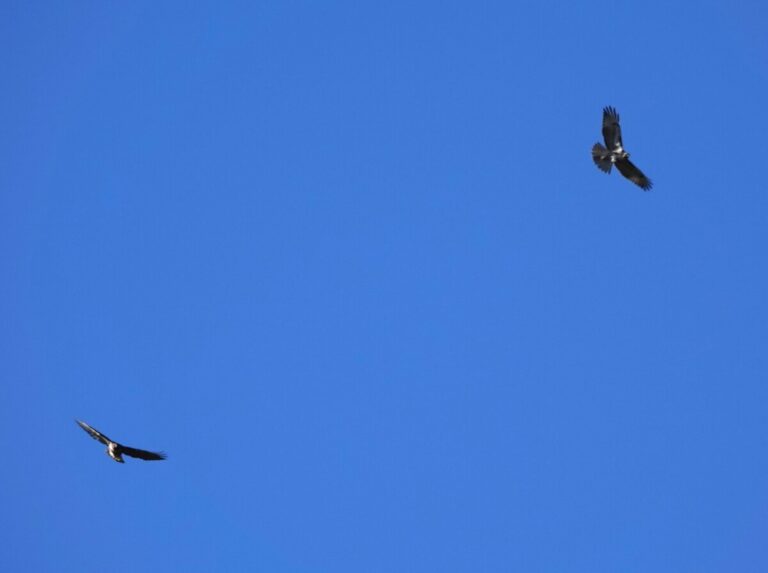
x=611 y=129
x=95 y=434
x=628 y=170
x=143 y=454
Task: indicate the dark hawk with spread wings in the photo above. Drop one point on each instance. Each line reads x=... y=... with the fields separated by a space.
x=614 y=154
x=117 y=451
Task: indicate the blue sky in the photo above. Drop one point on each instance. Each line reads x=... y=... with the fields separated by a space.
x=350 y=264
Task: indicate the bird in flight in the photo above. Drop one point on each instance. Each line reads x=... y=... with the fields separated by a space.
x=614 y=154
x=116 y=451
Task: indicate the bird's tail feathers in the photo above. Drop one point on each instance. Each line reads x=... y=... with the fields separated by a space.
x=601 y=157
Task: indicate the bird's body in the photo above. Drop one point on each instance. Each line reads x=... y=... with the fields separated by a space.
x=613 y=153
x=113 y=450
x=116 y=451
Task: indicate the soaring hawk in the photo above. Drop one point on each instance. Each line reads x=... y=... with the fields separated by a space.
x=115 y=450
x=614 y=154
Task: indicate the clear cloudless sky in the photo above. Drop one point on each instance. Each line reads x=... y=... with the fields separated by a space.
x=351 y=265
